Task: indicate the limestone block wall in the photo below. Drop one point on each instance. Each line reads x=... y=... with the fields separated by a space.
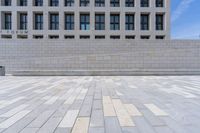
x=36 y=55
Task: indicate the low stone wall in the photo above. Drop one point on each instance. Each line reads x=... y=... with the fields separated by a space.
x=132 y=57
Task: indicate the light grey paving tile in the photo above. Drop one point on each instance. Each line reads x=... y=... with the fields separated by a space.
x=19 y=125
x=69 y=119
x=50 y=125
x=29 y=130
x=63 y=130
x=142 y=125
x=97 y=105
x=76 y=105
x=172 y=124
x=112 y=125
x=96 y=130
x=97 y=119
x=12 y=120
x=130 y=130
x=14 y=111
x=86 y=110
x=163 y=129
x=41 y=119
x=152 y=119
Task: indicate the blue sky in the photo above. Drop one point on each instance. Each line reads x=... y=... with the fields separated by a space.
x=185 y=19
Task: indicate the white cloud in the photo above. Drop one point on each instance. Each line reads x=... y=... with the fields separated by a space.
x=184 y=5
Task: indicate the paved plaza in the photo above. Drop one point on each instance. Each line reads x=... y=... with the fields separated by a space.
x=142 y=104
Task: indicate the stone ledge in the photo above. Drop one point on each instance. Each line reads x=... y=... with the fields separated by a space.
x=104 y=72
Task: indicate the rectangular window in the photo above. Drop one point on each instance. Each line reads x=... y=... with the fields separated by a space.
x=84 y=2
x=159 y=3
x=54 y=3
x=99 y=22
x=69 y=2
x=23 y=21
x=144 y=3
x=129 y=3
x=38 y=21
x=84 y=37
x=114 y=37
x=38 y=3
x=6 y=36
x=8 y=21
x=159 y=21
x=130 y=37
x=69 y=21
x=160 y=37
x=130 y=21
x=54 y=21
x=114 y=3
x=7 y=2
x=69 y=36
x=144 y=22
x=99 y=3
x=114 y=22
x=22 y=2
x=53 y=37
x=84 y=22
x=99 y=37
x=145 y=37
x=38 y=36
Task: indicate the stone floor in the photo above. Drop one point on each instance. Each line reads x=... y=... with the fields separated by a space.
x=100 y=104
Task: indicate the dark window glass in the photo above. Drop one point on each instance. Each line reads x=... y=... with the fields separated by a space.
x=130 y=37
x=85 y=22
x=84 y=37
x=144 y=22
x=159 y=22
x=114 y=37
x=114 y=3
x=160 y=37
x=129 y=3
x=38 y=2
x=84 y=2
x=144 y=3
x=23 y=2
x=54 y=2
x=129 y=21
x=145 y=37
x=23 y=21
x=69 y=36
x=69 y=2
x=7 y=2
x=114 y=22
x=69 y=21
x=53 y=37
x=99 y=22
x=100 y=37
x=54 y=21
x=159 y=3
x=99 y=3
x=38 y=21
x=8 y=21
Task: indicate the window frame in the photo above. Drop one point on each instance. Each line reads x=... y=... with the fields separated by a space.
x=114 y=3
x=99 y=25
x=130 y=23
x=39 y=24
x=144 y=24
x=8 y=22
x=85 y=24
x=116 y=21
x=54 y=21
x=69 y=22
x=23 y=21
